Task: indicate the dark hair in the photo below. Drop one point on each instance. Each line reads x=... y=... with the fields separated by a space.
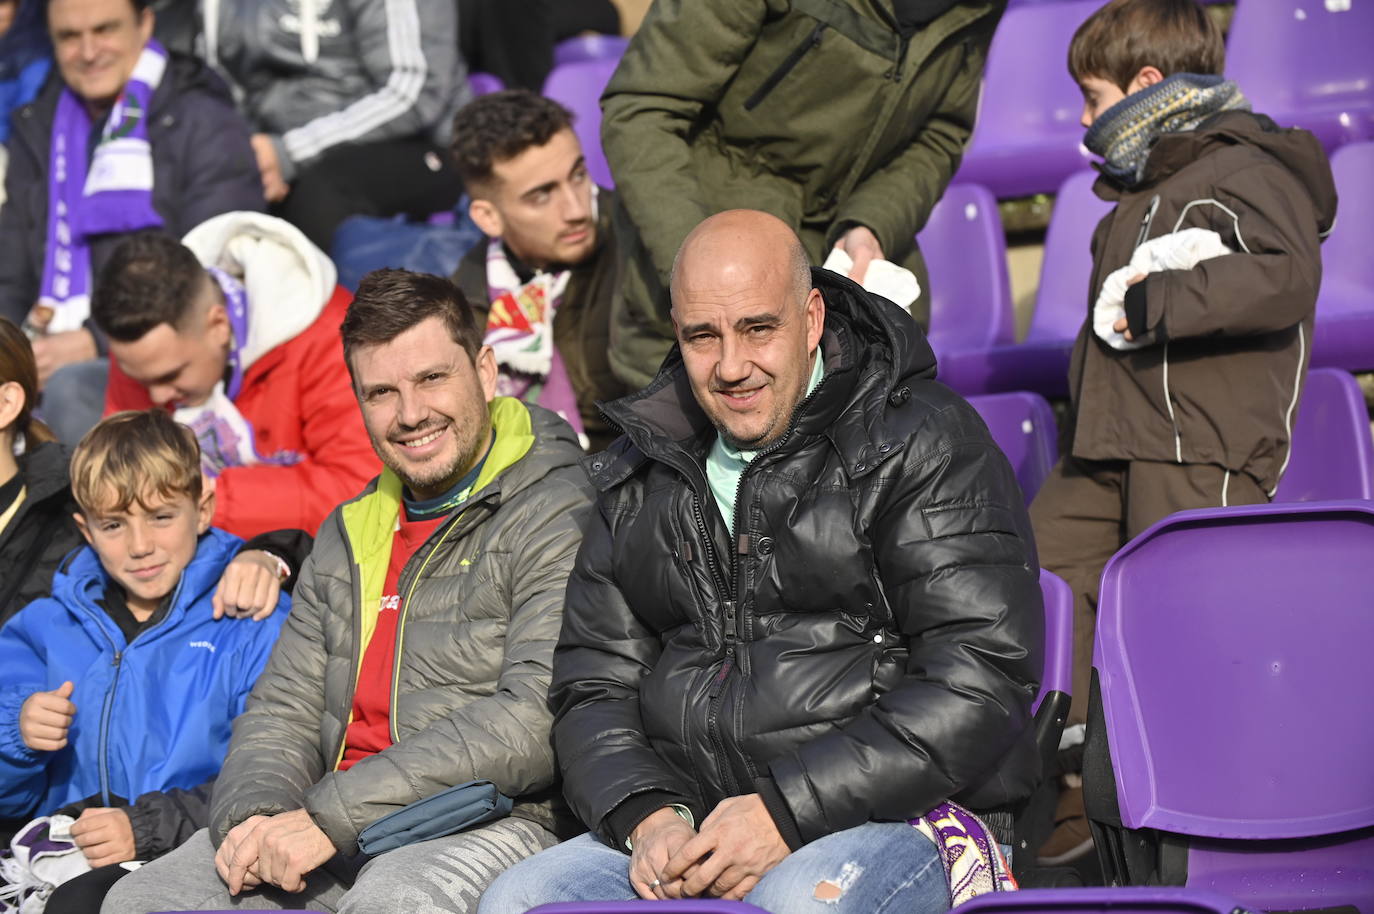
x=389 y=302
x=150 y=279
x=138 y=5
x=1174 y=36
x=500 y=126
x=17 y=364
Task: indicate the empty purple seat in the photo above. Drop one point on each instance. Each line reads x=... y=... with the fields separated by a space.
x=485 y=83
x=589 y=47
x=1229 y=742
x=1022 y=424
x=1096 y=900
x=1344 y=334
x=965 y=251
x=1307 y=64
x=1333 y=452
x=1028 y=138
x=578 y=87
x=1041 y=363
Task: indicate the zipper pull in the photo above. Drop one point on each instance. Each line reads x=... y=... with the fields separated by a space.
x=1146 y=220
x=119 y=655
x=729 y=607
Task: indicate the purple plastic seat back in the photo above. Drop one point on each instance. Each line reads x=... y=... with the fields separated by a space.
x=1333 y=451
x=1028 y=137
x=1097 y=900
x=965 y=251
x=684 y=906
x=485 y=83
x=1061 y=301
x=578 y=87
x=1232 y=652
x=1058 y=673
x=1344 y=335
x=1022 y=424
x=1306 y=63
x=589 y=47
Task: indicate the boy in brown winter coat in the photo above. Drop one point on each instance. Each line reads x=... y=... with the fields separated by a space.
x=1186 y=377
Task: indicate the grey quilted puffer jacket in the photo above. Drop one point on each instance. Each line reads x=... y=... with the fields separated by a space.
x=474 y=647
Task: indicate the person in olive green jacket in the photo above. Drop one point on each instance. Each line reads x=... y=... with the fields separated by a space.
x=844 y=118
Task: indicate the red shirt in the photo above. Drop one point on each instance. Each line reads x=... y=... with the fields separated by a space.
x=370 y=729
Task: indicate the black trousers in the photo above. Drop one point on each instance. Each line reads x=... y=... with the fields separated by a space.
x=411 y=177
x=84 y=894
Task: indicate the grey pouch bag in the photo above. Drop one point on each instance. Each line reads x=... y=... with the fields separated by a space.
x=444 y=813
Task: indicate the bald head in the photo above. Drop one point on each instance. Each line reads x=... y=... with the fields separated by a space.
x=742 y=248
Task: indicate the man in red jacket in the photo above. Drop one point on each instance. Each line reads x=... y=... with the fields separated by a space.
x=236 y=330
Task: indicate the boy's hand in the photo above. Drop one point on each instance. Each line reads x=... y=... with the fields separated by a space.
x=249 y=586
x=45 y=718
x=1122 y=325
x=104 y=835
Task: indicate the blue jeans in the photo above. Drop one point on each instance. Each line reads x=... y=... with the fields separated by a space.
x=879 y=867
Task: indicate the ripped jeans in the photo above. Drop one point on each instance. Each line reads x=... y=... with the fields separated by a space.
x=872 y=869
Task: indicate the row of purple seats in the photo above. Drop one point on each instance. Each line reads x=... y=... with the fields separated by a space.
x=1039 y=363
x=1302 y=62
x=1344 y=334
x=1027 y=901
x=577 y=85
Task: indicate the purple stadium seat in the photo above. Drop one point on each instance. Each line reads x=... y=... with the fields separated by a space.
x=1041 y=363
x=1097 y=900
x=1333 y=452
x=685 y=906
x=966 y=253
x=578 y=87
x=1022 y=424
x=1232 y=750
x=1058 y=675
x=1344 y=334
x=589 y=47
x=485 y=83
x=1306 y=63
x=1028 y=138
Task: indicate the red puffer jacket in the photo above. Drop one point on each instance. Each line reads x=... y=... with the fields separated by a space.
x=298 y=397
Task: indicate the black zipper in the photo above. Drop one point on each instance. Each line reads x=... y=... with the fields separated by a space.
x=730 y=607
x=787 y=65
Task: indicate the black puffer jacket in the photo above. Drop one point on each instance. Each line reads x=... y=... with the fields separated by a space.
x=866 y=647
x=42 y=531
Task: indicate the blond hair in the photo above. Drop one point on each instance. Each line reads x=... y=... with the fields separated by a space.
x=134 y=456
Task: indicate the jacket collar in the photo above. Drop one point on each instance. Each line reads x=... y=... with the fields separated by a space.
x=872 y=349
x=44 y=470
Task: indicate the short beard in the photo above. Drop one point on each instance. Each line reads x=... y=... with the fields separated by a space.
x=438 y=479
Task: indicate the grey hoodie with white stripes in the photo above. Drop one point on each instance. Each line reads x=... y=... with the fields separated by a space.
x=315 y=74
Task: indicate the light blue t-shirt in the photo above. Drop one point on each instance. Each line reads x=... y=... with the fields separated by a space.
x=725 y=465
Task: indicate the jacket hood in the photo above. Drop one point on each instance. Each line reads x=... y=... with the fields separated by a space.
x=81 y=580
x=288 y=280
x=1296 y=149
x=871 y=347
x=44 y=469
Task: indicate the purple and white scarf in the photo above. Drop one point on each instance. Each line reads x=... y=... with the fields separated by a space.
x=973 y=860
x=113 y=195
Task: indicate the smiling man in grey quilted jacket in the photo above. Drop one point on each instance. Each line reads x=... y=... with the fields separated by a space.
x=418 y=653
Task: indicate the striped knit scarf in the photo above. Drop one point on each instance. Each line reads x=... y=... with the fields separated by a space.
x=1124 y=133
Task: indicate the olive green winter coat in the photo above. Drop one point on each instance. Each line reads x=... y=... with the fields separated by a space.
x=814 y=110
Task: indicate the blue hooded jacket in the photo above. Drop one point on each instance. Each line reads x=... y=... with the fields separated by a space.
x=151 y=714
